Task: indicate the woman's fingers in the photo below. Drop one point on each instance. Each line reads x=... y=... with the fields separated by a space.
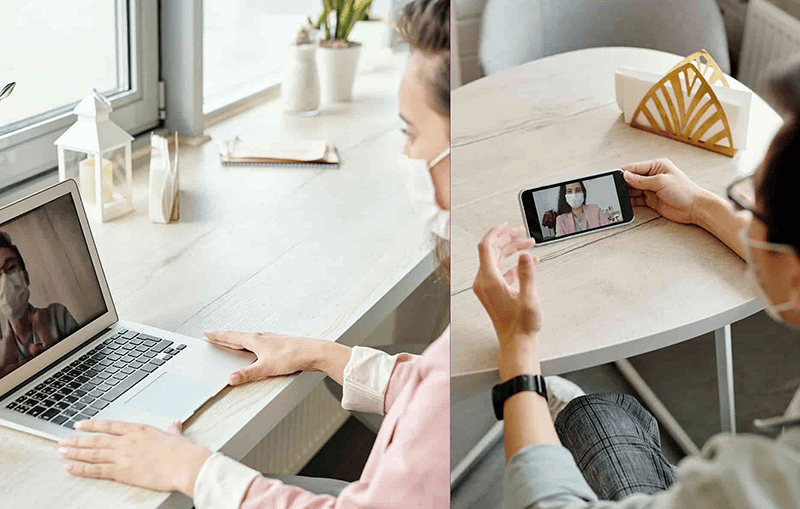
x=176 y=428
x=645 y=183
x=95 y=471
x=109 y=427
x=251 y=373
x=487 y=250
x=517 y=245
x=229 y=338
x=526 y=269
x=650 y=167
x=87 y=455
x=88 y=441
x=510 y=276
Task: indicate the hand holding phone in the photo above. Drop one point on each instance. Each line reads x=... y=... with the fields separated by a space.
x=574 y=207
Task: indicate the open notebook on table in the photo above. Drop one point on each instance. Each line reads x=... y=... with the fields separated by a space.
x=313 y=154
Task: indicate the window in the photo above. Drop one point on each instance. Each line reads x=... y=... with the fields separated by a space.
x=246 y=45
x=57 y=52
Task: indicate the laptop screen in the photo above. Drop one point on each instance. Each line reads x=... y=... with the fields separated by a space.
x=48 y=284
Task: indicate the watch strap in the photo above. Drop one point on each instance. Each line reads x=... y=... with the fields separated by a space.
x=522 y=383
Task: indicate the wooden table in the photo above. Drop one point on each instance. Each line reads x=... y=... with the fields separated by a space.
x=321 y=253
x=612 y=294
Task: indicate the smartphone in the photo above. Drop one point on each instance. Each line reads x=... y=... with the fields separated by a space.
x=574 y=207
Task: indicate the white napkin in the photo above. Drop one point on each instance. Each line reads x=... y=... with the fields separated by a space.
x=631 y=85
x=163 y=179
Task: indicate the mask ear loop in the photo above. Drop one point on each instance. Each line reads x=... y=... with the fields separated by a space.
x=438 y=159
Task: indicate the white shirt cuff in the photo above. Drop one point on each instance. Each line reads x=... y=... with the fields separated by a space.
x=366 y=377
x=222 y=483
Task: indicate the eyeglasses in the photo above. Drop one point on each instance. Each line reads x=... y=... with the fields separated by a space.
x=10 y=268
x=750 y=244
x=742 y=192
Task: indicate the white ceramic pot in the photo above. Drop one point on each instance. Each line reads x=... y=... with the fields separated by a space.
x=337 y=72
x=300 y=89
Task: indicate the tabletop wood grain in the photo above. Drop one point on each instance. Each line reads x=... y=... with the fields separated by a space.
x=607 y=295
x=320 y=253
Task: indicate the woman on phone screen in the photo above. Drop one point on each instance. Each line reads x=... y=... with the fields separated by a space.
x=574 y=214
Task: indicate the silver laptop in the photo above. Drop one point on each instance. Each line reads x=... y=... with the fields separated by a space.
x=64 y=354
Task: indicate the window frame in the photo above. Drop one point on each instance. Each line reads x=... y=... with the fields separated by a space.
x=29 y=148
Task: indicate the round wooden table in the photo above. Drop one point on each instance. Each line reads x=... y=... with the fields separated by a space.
x=615 y=293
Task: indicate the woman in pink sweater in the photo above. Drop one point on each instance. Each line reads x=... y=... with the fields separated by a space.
x=574 y=214
x=410 y=462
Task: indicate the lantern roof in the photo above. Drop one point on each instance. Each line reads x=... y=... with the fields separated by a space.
x=93 y=131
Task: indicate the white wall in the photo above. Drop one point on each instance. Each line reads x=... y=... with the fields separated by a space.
x=466 y=16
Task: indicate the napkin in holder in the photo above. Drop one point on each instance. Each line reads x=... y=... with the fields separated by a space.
x=164 y=197
x=692 y=103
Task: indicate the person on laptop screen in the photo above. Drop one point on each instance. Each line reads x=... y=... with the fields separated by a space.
x=26 y=330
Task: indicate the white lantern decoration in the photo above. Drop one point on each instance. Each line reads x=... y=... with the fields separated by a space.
x=96 y=152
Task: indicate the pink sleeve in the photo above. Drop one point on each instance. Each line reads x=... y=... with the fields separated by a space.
x=561 y=227
x=403 y=372
x=413 y=469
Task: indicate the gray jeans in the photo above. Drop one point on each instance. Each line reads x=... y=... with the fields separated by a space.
x=616 y=444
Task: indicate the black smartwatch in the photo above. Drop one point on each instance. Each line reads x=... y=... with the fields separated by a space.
x=501 y=392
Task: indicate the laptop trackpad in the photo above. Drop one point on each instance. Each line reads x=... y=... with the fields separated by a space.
x=171 y=395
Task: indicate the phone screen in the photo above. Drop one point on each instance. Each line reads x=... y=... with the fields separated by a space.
x=577 y=206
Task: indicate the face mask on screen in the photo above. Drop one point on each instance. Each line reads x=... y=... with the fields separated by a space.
x=419 y=185
x=14 y=294
x=575 y=199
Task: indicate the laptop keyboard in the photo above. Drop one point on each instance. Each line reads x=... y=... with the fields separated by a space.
x=97 y=378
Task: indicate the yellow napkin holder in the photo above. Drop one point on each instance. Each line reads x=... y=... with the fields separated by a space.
x=681 y=99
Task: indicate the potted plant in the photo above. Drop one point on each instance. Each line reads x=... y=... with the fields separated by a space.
x=338 y=56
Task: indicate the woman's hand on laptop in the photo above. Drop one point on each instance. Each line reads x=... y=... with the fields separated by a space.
x=282 y=355
x=134 y=454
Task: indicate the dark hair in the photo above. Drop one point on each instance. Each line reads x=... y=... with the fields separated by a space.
x=776 y=185
x=563 y=206
x=425 y=26
x=5 y=242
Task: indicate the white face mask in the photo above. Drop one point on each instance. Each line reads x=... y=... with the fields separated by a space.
x=14 y=294
x=419 y=185
x=575 y=199
x=773 y=310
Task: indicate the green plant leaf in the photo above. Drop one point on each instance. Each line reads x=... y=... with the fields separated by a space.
x=7 y=90
x=326 y=11
x=358 y=15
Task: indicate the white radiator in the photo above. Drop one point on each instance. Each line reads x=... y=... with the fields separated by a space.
x=770 y=36
x=299 y=436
